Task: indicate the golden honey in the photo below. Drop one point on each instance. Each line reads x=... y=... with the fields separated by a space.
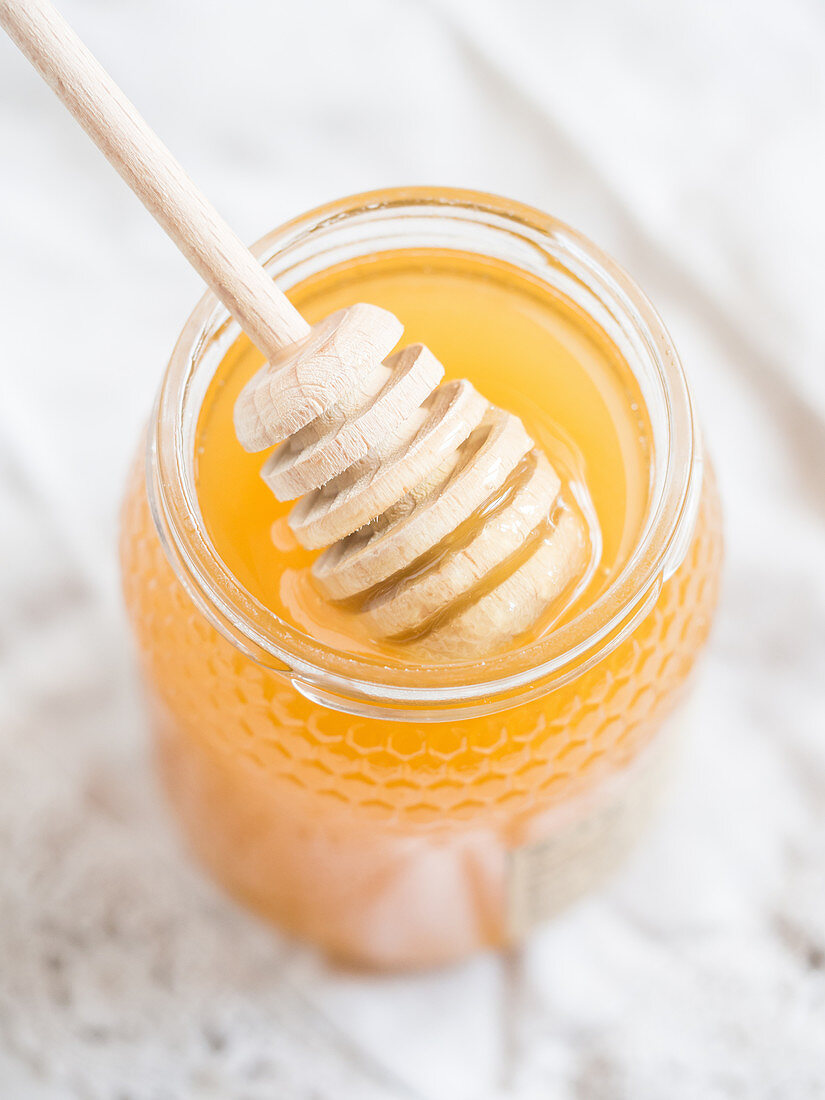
x=388 y=838
x=522 y=349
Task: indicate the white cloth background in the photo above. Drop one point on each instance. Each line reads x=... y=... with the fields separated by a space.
x=687 y=139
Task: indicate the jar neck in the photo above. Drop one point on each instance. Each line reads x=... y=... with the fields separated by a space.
x=570 y=267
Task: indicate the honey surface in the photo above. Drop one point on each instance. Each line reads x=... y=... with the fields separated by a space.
x=525 y=350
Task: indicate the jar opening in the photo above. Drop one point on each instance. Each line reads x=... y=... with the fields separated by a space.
x=573 y=268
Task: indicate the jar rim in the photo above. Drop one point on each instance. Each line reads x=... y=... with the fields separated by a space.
x=365 y=685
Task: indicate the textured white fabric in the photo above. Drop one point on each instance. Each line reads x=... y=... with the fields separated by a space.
x=685 y=138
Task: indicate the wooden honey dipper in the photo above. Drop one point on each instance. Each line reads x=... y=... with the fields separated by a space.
x=440 y=521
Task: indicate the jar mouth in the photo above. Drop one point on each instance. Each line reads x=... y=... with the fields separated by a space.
x=568 y=264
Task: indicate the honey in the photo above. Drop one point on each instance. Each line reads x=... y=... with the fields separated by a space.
x=570 y=387
x=407 y=826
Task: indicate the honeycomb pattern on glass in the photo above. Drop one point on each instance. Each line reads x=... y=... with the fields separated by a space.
x=482 y=772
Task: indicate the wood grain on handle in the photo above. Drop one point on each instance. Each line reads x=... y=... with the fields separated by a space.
x=147 y=166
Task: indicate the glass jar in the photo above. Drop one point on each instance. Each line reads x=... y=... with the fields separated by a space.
x=406 y=817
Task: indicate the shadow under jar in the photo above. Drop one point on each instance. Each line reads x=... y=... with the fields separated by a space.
x=403 y=815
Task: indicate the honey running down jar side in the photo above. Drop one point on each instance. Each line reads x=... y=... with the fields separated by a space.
x=406 y=820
